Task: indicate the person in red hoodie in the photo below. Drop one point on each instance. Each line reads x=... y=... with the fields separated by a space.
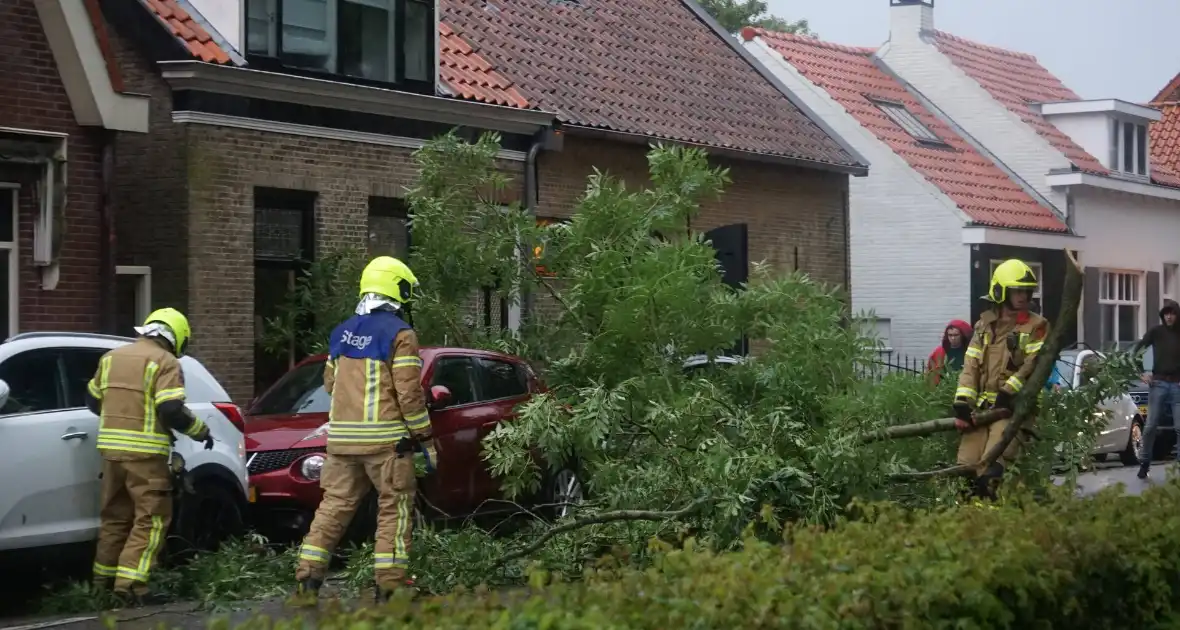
x=948 y=357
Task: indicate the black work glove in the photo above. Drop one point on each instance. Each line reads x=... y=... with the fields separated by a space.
x=208 y=440
x=1004 y=400
x=963 y=420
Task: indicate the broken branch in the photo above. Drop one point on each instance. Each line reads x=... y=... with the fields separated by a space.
x=929 y=427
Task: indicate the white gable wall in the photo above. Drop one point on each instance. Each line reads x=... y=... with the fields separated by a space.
x=908 y=262
x=974 y=110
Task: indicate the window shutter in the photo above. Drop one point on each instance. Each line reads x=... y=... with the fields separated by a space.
x=1091 y=312
x=1152 y=304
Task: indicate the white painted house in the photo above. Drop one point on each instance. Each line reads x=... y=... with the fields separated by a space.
x=1090 y=159
x=934 y=203
x=980 y=154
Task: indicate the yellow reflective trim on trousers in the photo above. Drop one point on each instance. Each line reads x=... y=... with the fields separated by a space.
x=130 y=574
x=149 y=406
x=138 y=435
x=174 y=393
x=372 y=385
x=1015 y=384
x=102 y=570
x=403 y=525
x=384 y=561
x=153 y=545
x=131 y=446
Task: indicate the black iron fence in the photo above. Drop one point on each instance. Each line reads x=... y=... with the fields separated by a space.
x=890 y=363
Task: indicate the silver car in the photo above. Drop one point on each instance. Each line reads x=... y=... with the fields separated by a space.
x=1123 y=430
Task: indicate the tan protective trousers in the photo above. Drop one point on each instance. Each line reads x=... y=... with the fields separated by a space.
x=136 y=509
x=346 y=480
x=974 y=444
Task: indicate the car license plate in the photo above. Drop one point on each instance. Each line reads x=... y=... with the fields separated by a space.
x=1143 y=410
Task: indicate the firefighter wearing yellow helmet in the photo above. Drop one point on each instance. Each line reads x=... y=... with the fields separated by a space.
x=138 y=392
x=999 y=359
x=376 y=424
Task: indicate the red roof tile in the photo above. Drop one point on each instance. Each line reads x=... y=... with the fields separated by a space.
x=648 y=67
x=470 y=76
x=981 y=190
x=1165 y=141
x=1015 y=80
x=1171 y=91
x=187 y=30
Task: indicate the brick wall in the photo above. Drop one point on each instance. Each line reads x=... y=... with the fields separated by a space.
x=150 y=189
x=32 y=97
x=788 y=210
x=225 y=165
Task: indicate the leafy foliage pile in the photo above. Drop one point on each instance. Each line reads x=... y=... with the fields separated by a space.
x=1060 y=562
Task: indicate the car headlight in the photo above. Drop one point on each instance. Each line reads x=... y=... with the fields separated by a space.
x=312 y=466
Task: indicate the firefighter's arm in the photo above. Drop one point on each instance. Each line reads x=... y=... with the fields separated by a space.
x=967 y=392
x=406 y=367
x=169 y=399
x=96 y=388
x=1032 y=350
x=330 y=375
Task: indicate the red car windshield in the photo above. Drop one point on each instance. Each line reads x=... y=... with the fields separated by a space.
x=299 y=391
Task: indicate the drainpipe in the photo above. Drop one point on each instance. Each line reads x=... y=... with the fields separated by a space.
x=530 y=204
x=107 y=277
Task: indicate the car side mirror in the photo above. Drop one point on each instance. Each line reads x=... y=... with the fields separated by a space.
x=4 y=391
x=440 y=397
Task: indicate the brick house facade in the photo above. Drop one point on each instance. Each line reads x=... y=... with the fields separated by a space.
x=190 y=191
x=35 y=107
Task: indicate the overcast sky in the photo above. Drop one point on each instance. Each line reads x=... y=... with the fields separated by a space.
x=1099 y=48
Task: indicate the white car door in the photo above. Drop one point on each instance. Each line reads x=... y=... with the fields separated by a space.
x=49 y=474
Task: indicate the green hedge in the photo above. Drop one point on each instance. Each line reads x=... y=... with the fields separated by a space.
x=1104 y=562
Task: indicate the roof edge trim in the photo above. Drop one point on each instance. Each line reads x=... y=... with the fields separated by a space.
x=225 y=79
x=1113 y=183
x=862 y=164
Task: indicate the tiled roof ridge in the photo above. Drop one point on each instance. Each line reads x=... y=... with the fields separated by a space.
x=750 y=32
x=994 y=49
x=1172 y=89
x=187 y=30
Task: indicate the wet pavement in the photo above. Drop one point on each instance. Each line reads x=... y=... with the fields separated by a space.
x=188 y=616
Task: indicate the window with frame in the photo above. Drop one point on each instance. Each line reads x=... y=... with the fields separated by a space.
x=379 y=40
x=1038 y=271
x=456 y=374
x=908 y=122
x=1129 y=147
x=1120 y=304
x=9 y=276
x=34 y=382
x=389 y=227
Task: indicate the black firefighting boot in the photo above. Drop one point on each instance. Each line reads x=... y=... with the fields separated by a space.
x=987 y=483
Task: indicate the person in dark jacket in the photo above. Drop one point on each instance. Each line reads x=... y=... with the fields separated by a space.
x=1164 y=379
x=948 y=356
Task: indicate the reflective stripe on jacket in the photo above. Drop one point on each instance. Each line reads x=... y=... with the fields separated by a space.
x=130 y=383
x=374 y=375
x=1001 y=356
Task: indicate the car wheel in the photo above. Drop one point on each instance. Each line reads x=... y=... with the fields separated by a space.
x=205 y=517
x=562 y=492
x=1129 y=456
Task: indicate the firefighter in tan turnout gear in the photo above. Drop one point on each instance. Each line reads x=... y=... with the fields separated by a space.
x=138 y=393
x=1000 y=358
x=377 y=422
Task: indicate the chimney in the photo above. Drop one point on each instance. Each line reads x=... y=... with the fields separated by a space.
x=908 y=19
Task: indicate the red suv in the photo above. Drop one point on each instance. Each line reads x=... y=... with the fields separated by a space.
x=469 y=392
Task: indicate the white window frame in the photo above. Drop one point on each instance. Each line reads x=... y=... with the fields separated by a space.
x=1106 y=300
x=143 y=289
x=1038 y=271
x=1118 y=161
x=1170 y=292
x=13 y=247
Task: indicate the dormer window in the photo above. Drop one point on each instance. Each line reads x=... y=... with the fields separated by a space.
x=908 y=122
x=386 y=41
x=1128 y=147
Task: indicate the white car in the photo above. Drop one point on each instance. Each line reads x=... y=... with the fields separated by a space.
x=49 y=465
x=1123 y=430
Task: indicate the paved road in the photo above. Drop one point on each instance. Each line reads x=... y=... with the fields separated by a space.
x=185 y=616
